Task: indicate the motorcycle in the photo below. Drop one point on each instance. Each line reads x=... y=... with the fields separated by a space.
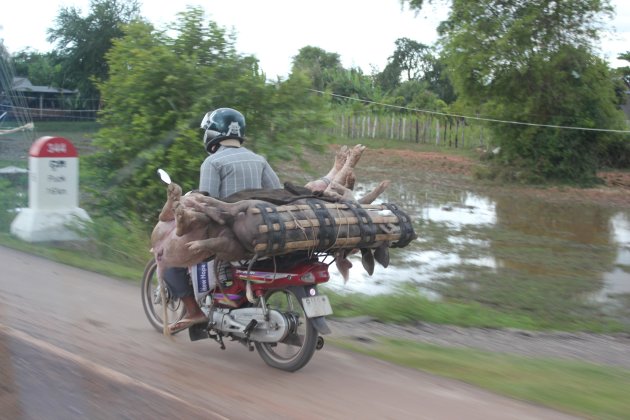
x=270 y=305
x=273 y=306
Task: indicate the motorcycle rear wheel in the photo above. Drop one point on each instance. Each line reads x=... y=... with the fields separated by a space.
x=152 y=301
x=295 y=351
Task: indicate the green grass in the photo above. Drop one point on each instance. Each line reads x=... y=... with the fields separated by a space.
x=467 y=150
x=410 y=306
x=76 y=255
x=583 y=389
x=80 y=130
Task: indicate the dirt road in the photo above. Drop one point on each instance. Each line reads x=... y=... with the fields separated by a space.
x=76 y=345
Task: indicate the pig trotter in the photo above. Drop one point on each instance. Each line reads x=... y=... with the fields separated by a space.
x=381 y=254
x=343 y=264
x=367 y=259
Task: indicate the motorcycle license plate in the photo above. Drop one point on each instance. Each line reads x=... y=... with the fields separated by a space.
x=316 y=306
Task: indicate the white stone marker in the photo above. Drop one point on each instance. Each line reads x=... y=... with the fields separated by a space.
x=53 y=193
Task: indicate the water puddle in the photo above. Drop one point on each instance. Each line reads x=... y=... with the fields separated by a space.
x=473 y=245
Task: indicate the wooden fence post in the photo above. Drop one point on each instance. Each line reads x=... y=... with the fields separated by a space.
x=342 y=125
x=375 y=126
x=417 y=130
x=456 y=130
x=402 y=129
x=437 y=131
x=391 y=131
x=445 y=139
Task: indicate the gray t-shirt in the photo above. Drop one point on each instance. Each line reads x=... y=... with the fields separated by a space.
x=233 y=169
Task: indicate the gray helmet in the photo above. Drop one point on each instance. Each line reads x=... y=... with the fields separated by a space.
x=222 y=124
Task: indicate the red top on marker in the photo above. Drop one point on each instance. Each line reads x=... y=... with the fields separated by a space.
x=52 y=147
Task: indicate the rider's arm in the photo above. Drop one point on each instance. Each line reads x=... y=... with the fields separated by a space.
x=209 y=178
x=269 y=178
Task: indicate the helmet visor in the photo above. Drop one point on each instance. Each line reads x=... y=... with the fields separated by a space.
x=207 y=120
x=209 y=135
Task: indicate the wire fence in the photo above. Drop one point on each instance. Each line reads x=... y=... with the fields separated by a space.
x=21 y=113
x=458 y=132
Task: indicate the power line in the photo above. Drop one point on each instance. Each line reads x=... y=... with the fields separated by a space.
x=607 y=130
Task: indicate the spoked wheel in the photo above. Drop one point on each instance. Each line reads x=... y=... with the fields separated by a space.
x=298 y=347
x=152 y=300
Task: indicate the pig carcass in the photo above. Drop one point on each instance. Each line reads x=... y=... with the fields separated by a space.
x=323 y=217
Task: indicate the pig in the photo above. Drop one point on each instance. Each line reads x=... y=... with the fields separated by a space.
x=193 y=227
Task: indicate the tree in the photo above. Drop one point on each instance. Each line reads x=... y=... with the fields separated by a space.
x=533 y=62
x=412 y=58
x=82 y=42
x=4 y=54
x=159 y=87
x=416 y=62
x=624 y=72
x=40 y=68
x=6 y=74
x=318 y=64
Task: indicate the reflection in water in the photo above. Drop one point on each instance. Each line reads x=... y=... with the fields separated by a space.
x=617 y=280
x=420 y=266
x=573 y=250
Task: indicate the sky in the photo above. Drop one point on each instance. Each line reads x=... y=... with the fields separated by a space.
x=362 y=32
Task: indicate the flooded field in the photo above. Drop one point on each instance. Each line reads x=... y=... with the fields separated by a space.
x=560 y=260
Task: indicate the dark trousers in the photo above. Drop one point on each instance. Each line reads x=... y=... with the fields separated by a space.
x=178 y=282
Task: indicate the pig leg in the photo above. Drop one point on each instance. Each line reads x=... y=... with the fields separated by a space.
x=173 y=194
x=340 y=159
x=339 y=192
x=321 y=184
x=343 y=264
x=224 y=248
x=225 y=212
x=350 y=181
x=367 y=259
x=381 y=254
x=372 y=195
x=351 y=161
x=217 y=215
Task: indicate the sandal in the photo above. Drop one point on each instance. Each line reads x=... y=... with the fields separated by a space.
x=185 y=323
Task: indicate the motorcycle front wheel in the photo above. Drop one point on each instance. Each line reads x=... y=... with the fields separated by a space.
x=152 y=299
x=297 y=348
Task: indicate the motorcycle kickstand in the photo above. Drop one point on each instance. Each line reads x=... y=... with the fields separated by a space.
x=218 y=337
x=248 y=329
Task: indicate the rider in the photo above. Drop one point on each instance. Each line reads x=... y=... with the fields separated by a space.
x=228 y=169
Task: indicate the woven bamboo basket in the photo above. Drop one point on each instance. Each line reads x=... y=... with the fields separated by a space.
x=320 y=226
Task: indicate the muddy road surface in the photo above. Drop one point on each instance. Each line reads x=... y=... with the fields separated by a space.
x=76 y=345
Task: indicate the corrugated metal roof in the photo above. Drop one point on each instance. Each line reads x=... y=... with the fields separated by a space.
x=22 y=84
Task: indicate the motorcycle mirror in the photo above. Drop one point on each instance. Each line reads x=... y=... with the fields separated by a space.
x=164 y=176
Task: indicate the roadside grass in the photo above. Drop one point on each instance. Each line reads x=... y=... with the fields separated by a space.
x=409 y=306
x=583 y=389
x=75 y=255
x=75 y=131
x=466 y=151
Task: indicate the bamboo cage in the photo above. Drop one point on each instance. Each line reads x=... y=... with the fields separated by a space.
x=320 y=226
